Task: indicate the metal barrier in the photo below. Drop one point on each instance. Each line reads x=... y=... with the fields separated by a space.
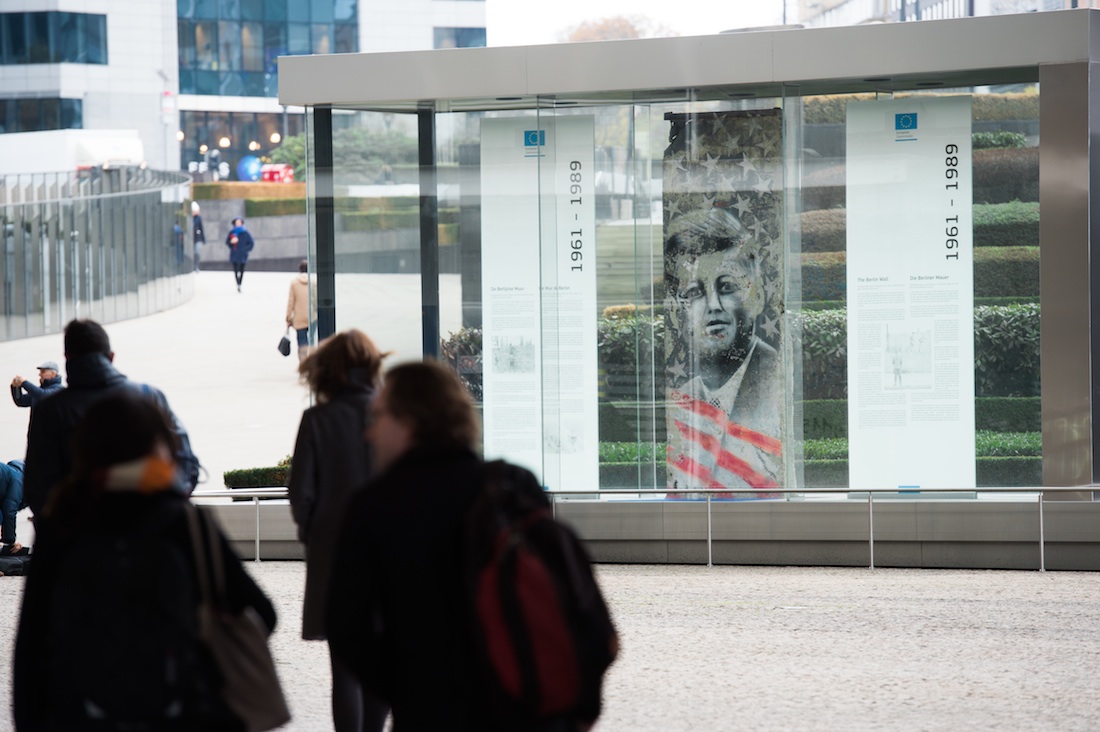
x=257 y=493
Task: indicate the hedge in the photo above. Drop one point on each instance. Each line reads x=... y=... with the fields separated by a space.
x=833 y=109
x=388 y=219
x=995 y=224
x=827 y=419
x=991 y=471
x=229 y=190
x=1000 y=176
x=998 y=272
x=274 y=207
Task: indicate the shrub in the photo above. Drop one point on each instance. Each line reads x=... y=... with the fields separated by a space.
x=998 y=139
x=825 y=419
x=272 y=477
x=1006 y=224
x=1006 y=350
x=1004 y=175
x=462 y=350
x=995 y=225
x=274 y=207
x=229 y=190
x=1002 y=271
x=833 y=109
x=824 y=353
x=824 y=276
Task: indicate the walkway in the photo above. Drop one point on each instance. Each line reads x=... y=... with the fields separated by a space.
x=788 y=648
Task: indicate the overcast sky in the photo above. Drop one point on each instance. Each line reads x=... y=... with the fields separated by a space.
x=521 y=23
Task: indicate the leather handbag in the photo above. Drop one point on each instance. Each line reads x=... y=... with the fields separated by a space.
x=236 y=641
x=284 y=343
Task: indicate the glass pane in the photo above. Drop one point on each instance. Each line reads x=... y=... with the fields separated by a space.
x=188 y=59
x=16 y=37
x=252 y=46
x=345 y=10
x=252 y=9
x=206 y=82
x=298 y=40
x=229 y=46
x=274 y=46
x=28 y=115
x=229 y=9
x=96 y=38
x=38 y=37
x=321 y=11
x=346 y=38
x=298 y=12
x=322 y=39
x=51 y=114
x=72 y=114
x=206 y=9
x=274 y=10
x=206 y=46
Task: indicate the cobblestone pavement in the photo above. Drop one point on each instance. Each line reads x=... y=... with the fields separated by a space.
x=791 y=648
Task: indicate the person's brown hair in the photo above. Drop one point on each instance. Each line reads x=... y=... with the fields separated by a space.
x=348 y=357
x=432 y=400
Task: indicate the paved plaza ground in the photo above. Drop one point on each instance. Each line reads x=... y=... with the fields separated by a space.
x=789 y=648
x=722 y=648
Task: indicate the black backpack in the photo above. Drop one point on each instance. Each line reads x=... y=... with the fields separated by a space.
x=124 y=642
x=543 y=634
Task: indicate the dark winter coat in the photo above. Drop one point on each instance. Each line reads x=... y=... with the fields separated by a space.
x=238 y=253
x=53 y=421
x=34 y=393
x=399 y=550
x=331 y=461
x=33 y=693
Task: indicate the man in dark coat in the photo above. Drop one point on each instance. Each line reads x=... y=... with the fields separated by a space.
x=26 y=394
x=240 y=243
x=91 y=376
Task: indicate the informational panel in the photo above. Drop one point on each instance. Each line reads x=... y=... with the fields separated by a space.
x=539 y=297
x=723 y=238
x=910 y=294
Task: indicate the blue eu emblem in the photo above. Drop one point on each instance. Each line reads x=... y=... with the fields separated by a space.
x=905 y=121
x=534 y=138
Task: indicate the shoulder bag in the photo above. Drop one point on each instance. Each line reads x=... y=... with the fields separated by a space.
x=236 y=641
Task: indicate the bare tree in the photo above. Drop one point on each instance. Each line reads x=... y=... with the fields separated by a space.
x=616 y=28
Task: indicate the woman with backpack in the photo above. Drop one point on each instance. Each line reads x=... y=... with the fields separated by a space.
x=108 y=630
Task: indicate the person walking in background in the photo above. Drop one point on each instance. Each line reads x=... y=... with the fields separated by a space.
x=108 y=635
x=92 y=376
x=240 y=244
x=199 y=240
x=330 y=462
x=300 y=307
x=11 y=500
x=25 y=394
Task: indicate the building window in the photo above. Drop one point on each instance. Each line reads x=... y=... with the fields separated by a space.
x=230 y=47
x=53 y=38
x=36 y=115
x=459 y=37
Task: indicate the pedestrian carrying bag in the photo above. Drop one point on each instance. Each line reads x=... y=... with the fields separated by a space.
x=284 y=343
x=542 y=630
x=236 y=641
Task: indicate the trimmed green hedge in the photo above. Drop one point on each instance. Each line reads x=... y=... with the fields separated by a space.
x=827 y=419
x=274 y=207
x=1001 y=176
x=257 y=477
x=991 y=471
x=998 y=271
x=833 y=109
x=995 y=225
x=389 y=219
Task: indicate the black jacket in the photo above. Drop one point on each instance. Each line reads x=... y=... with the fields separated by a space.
x=53 y=420
x=399 y=547
x=33 y=693
x=34 y=393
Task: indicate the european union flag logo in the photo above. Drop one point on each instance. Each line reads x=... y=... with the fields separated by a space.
x=906 y=121
x=534 y=138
